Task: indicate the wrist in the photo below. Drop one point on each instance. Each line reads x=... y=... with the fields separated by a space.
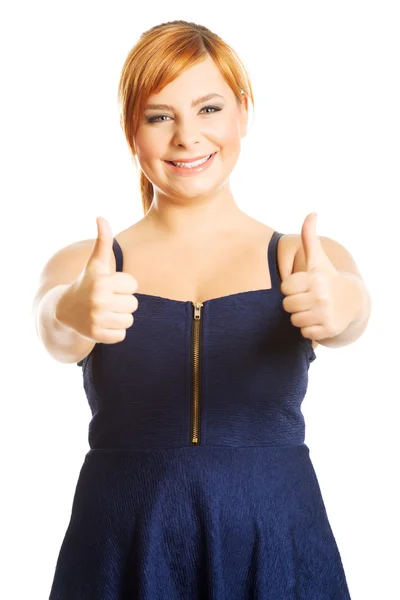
x=358 y=297
x=60 y=306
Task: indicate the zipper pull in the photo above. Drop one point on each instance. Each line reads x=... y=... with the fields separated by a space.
x=197 y=310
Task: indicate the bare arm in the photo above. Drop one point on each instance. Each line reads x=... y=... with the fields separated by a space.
x=63 y=343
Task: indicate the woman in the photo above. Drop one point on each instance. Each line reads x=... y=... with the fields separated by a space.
x=197 y=483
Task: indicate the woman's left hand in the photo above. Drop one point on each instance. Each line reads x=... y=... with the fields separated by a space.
x=316 y=297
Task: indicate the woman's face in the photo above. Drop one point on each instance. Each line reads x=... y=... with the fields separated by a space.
x=183 y=131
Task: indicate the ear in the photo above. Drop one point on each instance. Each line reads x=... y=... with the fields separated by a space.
x=244 y=116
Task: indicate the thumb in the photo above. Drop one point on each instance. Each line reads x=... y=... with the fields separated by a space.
x=99 y=260
x=313 y=251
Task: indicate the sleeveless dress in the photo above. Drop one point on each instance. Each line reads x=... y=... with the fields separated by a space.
x=198 y=483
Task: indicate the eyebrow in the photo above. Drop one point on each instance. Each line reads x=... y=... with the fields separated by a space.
x=194 y=102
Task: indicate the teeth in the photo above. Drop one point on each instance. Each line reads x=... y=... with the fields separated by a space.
x=191 y=165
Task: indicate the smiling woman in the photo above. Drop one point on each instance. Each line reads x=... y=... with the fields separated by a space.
x=198 y=483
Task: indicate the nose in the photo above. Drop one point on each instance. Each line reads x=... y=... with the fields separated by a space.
x=186 y=134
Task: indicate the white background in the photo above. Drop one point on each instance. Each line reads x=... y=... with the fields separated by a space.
x=324 y=137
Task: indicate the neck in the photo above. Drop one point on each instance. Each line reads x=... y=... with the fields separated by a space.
x=193 y=218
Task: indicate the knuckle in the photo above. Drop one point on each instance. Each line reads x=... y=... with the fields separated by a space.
x=134 y=283
x=94 y=316
x=96 y=300
x=121 y=335
x=94 y=332
x=100 y=286
x=97 y=285
x=130 y=283
x=320 y=286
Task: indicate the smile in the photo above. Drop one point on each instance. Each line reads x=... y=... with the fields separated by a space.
x=193 y=167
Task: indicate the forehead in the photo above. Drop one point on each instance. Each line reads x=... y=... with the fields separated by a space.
x=200 y=80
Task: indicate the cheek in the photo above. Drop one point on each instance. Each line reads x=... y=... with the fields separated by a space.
x=226 y=133
x=147 y=146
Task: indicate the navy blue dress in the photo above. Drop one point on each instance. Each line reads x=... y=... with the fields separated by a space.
x=198 y=483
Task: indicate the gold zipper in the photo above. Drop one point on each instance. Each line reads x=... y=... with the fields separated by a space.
x=196 y=372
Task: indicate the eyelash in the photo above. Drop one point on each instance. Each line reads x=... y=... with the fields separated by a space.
x=155 y=119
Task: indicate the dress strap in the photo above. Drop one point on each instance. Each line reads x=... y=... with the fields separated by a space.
x=119 y=260
x=273 y=260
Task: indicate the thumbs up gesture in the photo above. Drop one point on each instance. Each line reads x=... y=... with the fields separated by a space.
x=100 y=303
x=315 y=297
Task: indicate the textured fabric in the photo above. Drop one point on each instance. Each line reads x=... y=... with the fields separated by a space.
x=240 y=516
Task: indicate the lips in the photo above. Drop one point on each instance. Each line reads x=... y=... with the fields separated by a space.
x=189 y=171
x=189 y=160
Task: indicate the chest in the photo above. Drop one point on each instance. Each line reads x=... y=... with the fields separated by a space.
x=199 y=272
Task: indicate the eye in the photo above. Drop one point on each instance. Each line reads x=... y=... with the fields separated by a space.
x=156 y=119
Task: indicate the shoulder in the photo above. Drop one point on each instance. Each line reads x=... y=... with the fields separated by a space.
x=286 y=252
x=64 y=266
x=286 y=248
x=339 y=256
x=77 y=254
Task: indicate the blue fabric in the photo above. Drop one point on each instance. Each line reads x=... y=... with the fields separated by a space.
x=239 y=516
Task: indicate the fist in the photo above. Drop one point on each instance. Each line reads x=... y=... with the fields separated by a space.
x=100 y=304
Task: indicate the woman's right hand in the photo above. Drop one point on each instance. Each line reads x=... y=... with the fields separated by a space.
x=100 y=303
